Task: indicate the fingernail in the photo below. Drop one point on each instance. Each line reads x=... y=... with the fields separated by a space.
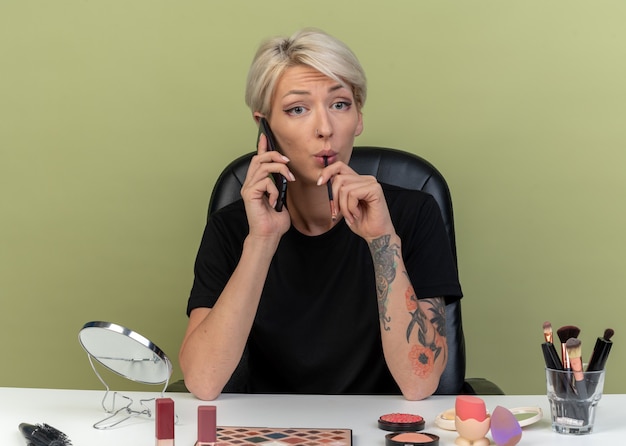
x=319 y=181
x=292 y=177
x=286 y=159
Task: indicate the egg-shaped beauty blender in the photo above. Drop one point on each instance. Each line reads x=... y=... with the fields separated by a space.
x=505 y=428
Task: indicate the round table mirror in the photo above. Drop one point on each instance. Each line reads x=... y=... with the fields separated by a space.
x=125 y=352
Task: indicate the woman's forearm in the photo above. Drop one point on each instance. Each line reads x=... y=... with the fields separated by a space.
x=215 y=338
x=413 y=331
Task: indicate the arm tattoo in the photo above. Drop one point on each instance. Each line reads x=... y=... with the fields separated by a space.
x=430 y=342
x=385 y=272
x=430 y=345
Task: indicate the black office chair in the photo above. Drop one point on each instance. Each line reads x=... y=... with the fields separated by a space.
x=400 y=169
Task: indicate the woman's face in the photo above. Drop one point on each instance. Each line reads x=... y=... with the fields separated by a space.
x=312 y=117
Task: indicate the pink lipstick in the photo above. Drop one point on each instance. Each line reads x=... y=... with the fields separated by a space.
x=164 y=422
x=207 y=426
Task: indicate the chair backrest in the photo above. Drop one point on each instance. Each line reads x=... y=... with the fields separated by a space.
x=400 y=169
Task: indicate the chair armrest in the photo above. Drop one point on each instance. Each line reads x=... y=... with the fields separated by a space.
x=177 y=386
x=481 y=386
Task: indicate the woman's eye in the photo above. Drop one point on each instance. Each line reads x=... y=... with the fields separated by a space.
x=295 y=110
x=341 y=105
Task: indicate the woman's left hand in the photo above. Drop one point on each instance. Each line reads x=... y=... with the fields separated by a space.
x=360 y=200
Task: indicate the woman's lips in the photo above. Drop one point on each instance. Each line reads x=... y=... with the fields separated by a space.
x=326 y=158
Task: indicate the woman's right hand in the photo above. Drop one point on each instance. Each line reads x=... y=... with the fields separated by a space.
x=260 y=194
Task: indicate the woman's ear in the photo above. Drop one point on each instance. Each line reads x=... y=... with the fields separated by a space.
x=359 y=126
x=257 y=116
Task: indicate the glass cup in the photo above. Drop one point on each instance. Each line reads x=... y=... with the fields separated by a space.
x=573 y=399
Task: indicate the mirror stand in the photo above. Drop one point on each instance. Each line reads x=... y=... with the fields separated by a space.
x=129 y=355
x=114 y=418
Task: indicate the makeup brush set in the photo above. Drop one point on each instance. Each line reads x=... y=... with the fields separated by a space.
x=571 y=349
x=572 y=387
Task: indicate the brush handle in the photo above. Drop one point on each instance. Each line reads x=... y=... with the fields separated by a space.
x=565 y=357
x=579 y=377
x=600 y=355
x=581 y=389
x=551 y=357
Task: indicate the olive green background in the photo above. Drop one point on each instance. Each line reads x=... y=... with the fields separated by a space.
x=117 y=116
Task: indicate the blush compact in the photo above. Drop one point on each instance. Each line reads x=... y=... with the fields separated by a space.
x=401 y=422
x=411 y=439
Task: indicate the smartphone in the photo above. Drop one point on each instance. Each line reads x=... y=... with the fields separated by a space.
x=279 y=180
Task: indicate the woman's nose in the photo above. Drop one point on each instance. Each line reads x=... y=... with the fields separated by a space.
x=324 y=128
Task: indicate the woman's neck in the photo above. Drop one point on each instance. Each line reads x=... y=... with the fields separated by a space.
x=309 y=209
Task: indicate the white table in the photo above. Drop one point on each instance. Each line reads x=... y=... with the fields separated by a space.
x=75 y=411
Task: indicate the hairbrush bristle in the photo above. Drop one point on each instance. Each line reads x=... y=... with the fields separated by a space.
x=568 y=331
x=573 y=347
x=608 y=334
x=44 y=435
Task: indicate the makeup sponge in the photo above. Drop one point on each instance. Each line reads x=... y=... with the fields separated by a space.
x=470 y=407
x=505 y=428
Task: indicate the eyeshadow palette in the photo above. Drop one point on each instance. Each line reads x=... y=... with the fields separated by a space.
x=272 y=436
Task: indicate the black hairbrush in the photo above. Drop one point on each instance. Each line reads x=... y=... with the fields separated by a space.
x=43 y=435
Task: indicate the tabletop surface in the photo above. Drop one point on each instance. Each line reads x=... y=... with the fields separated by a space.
x=75 y=412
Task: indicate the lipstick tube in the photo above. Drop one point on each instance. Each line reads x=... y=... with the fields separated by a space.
x=207 y=426
x=164 y=422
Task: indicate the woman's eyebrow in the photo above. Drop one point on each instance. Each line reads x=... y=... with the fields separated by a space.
x=297 y=92
x=307 y=92
x=337 y=87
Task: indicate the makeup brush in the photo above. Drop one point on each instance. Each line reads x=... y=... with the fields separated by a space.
x=547 y=332
x=550 y=356
x=574 y=353
x=331 y=200
x=564 y=333
x=601 y=351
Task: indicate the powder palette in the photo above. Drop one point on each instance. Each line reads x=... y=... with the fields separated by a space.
x=411 y=439
x=270 y=436
x=401 y=422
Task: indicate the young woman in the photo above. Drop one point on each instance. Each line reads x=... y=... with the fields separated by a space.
x=353 y=304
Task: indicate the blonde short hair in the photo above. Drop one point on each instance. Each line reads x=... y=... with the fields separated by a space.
x=309 y=47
